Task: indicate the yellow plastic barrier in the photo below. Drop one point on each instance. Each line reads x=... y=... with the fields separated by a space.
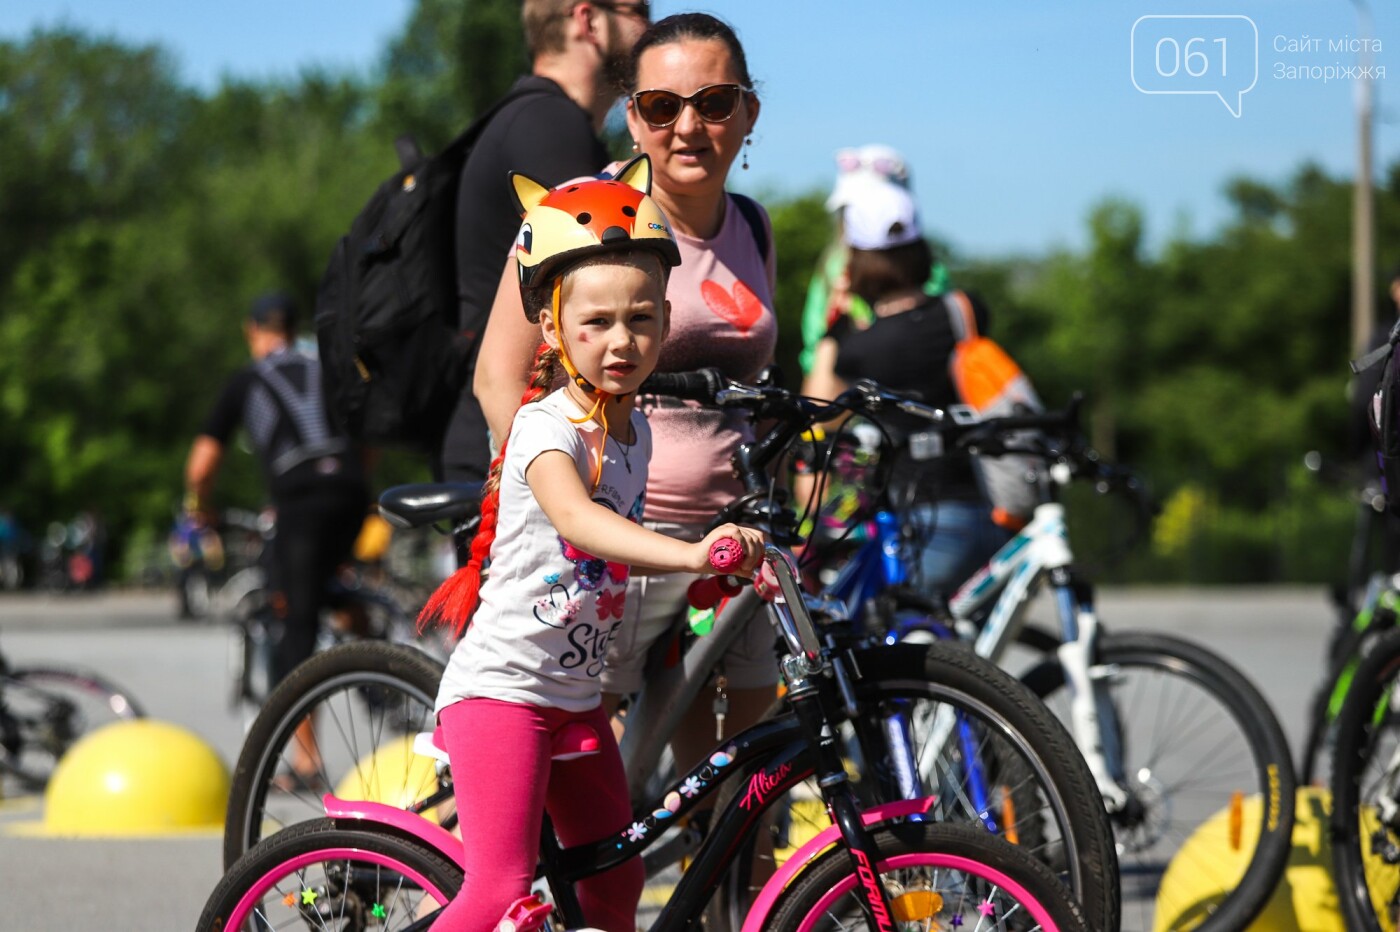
x=1305 y=899
x=140 y=777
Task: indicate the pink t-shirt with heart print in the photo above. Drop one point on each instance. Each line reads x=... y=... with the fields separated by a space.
x=721 y=315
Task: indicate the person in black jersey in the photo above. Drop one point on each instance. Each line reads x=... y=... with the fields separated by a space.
x=907 y=348
x=549 y=131
x=315 y=478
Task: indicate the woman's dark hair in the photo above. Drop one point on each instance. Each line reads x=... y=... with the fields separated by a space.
x=689 y=26
x=875 y=273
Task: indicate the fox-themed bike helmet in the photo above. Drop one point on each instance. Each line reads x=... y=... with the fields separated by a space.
x=578 y=219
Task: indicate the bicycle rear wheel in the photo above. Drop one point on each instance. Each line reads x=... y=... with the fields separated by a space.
x=1366 y=843
x=937 y=877
x=1198 y=741
x=45 y=710
x=316 y=875
x=364 y=701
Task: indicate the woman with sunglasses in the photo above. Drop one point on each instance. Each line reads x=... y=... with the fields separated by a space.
x=691 y=110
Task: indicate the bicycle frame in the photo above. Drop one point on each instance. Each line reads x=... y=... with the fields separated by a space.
x=1004 y=587
x=670 y=690
x=774 y=755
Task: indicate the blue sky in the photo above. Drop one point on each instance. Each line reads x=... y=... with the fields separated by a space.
x=1016 y=117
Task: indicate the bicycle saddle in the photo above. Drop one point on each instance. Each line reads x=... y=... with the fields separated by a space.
x=422 y=503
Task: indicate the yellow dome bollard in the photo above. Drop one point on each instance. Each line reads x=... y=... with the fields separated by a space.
x=393 y=775
x=139 y=777
x=1305 y=899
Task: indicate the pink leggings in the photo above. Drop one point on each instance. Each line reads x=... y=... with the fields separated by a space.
x=504 y=781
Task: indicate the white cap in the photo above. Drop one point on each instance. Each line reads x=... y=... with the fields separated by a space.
x=874 y=161
x=880 y=215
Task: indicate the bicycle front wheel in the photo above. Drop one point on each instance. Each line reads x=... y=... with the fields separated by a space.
x=937 y=877
x=318 y=876
x=341 y=721
x=984 y=746
x=47 y=709
x=1200 y=745
x=1366 y=766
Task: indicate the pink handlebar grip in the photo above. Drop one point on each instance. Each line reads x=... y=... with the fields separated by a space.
x=725 y=554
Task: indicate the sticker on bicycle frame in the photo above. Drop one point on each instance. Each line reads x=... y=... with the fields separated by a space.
x=689 y=787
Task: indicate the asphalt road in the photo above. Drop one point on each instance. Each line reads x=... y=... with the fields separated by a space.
x=179 y=671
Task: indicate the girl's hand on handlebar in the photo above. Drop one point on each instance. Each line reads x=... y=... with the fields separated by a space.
x=749 y=541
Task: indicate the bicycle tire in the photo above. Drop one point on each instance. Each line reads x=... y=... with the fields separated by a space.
x=341 y=871
x=1368 y=735
x=52 y=709
x=1348 y=648
x=343 y=683
x=1189 y=688
x=1068 y=825
x=938 y=876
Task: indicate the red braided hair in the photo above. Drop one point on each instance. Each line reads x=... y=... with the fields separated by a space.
x=456 y=599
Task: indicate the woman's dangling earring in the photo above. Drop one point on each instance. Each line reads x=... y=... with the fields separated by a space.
x=748 y=141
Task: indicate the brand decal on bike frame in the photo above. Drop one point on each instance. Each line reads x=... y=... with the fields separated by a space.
x=760 y=785
x=873 y=893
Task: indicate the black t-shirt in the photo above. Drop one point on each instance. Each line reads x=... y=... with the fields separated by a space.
x=908 y=352
x=247 y=401
x=549 y=137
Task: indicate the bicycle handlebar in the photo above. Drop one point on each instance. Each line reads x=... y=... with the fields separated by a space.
x=1055 y=436
x=701 y=385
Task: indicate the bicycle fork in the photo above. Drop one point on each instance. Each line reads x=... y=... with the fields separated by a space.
x=845 y=813
x=1093 y=718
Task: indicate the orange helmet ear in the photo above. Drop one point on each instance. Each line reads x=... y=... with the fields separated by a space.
x=636 y=173
x=527 y=191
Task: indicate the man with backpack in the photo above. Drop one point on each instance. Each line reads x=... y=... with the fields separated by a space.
x=315 y=477
x=548 y=128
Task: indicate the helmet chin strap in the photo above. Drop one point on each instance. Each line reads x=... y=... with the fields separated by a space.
x=601 y=398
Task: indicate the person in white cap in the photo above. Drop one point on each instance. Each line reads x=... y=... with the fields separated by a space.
x=828 y=297
x=906 y=347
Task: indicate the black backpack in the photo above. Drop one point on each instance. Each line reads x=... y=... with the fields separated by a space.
x=393 y=361
x=1383 y=414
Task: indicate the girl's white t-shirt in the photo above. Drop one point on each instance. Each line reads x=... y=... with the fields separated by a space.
x=548 y=611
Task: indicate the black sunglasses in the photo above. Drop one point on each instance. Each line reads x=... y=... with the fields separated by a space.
x=713 y=104
x=639 y=8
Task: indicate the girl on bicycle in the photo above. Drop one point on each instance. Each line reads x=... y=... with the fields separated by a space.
x=519 y=705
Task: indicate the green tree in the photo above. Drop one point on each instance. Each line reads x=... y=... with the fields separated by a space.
x=450 y=63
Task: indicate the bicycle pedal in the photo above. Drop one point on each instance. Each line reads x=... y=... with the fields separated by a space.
x=525 y=915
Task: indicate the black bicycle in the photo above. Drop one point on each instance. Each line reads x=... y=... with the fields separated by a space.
x=877 y=867
x=1011 y=769
x=44 y=710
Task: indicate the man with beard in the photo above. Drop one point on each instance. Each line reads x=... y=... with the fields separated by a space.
x=549 y=131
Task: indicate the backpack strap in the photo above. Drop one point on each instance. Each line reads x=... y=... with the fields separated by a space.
x=753 y=216
x=302 y=412
x=469 y=135
x=961 y=315
x=1380 y=353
